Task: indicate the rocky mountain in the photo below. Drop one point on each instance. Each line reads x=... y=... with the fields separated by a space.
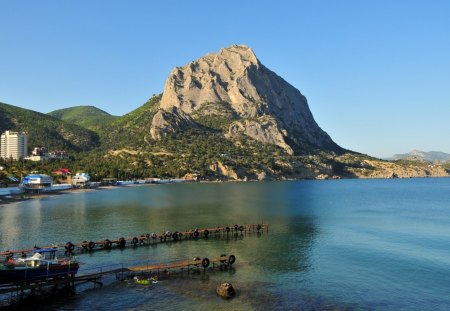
x=88 y=117
x=417 y=155
x=47 y=131
x=232 y=91
x=224 y=116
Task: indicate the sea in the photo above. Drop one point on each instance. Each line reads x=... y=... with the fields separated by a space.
x=331 y=245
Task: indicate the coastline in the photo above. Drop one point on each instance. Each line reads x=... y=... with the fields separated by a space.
x=7 y=200
x=17 y=198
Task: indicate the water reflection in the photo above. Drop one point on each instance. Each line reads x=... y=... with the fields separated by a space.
x=138 y=210
x=134 y=211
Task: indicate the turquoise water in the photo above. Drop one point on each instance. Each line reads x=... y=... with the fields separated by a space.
x=344 y=244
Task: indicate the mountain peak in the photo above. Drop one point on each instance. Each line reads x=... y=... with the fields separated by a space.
x=245 y=53
x=234 y=85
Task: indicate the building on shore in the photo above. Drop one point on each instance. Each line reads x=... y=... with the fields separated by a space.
x=37 y=182
x=81 y=180
x=41 y=154
x=13 y=145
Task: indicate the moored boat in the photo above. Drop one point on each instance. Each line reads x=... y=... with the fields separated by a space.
x=43 y=264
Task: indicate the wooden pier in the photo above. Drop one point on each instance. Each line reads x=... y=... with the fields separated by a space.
x=147 y=239
x=15 y=292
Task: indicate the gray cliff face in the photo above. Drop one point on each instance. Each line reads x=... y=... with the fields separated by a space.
x=265 y=107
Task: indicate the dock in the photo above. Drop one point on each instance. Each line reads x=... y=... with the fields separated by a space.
x=16 y=292
x=147 y=239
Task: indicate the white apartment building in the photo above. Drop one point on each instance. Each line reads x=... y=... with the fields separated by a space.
x=13 y=144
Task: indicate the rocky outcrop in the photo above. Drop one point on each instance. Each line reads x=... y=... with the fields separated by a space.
x=222 y=170
x=374 y=168
x=264 y=129
x=225 y=290
x=264 y=107
x=167 y=122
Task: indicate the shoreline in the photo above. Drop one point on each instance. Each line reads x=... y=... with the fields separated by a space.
x=6 y=200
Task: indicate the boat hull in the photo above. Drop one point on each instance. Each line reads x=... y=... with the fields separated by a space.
x=10 y=274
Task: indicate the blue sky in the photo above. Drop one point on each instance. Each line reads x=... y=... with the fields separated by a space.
x=376 y=73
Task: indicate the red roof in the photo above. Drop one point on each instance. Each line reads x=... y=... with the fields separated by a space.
x=62 y=171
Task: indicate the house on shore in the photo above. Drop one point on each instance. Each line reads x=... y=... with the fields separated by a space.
x=37 y=182
x=81 y=180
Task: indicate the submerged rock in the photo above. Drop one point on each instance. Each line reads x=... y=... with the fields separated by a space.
x=226 y=290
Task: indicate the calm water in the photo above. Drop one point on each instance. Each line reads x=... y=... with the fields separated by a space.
x=345 y=244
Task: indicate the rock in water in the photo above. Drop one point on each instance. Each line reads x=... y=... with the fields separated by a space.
x=248 y=98
x=225 y=290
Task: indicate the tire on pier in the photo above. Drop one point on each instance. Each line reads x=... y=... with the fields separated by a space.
x=154 y=236
x=84 y=245
x=134 y=241
x=241 y=228
x=91 y=245
x=122 y=242
x=175 y=236
x=205 y=263
x=231 y=259
x=196 y=234
x=206 y=233
x=107 y=244
x=227 y=229
x=69 y=247
x=142 y=239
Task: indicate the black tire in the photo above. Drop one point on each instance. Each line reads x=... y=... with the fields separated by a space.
x=134 y=241
x=231 y=259
x=175 y=236
x=241 y=228
x=91 y=245
x=205 y=262
x=84 y=245
x=206 y=233
x=227 y=229
x=122 y=242
x=69 y=247
x=236 y=227
x=107 y=244
x=196 y=234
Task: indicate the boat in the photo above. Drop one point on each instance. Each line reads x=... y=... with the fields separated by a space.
x=43 y=264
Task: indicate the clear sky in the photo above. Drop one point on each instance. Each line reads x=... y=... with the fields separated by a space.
x=376 y=73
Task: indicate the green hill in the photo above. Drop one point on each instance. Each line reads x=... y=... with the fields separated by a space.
x=47 y=131
x=88 y=117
